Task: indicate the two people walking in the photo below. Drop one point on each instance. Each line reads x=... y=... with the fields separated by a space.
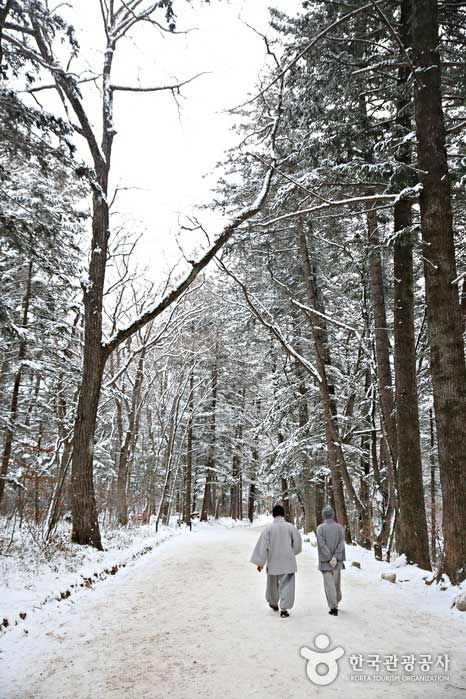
x=278 y=546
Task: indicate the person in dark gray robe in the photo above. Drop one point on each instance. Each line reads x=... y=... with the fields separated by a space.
x=278 y=546
x=331 y=551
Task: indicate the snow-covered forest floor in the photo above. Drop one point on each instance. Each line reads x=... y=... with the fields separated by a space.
x=189 y=619
x=34 y=573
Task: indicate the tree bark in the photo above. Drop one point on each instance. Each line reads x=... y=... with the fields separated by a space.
x=252 y=484
x=127 y=448
x=13 y=413
x=309 y=504
x=412 y=536
x=188 y=474
x=445 y=323
x=207 y=507
x=382 y=343
x=433 y=491
x=286 y=499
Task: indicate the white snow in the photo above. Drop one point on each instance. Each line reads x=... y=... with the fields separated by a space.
x=189 y=619
x=34 y=575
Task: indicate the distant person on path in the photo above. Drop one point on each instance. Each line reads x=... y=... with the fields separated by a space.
x=331 y=551
x=278 y=546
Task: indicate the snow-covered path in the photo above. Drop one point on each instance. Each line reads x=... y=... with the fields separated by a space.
x=190 y=620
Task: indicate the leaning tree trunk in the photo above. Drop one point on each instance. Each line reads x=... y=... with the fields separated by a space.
x=336 y=459
x=445 y=326
x=412 y=535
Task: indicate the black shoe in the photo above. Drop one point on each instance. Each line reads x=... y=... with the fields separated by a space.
x=334 y=611
x=274 y=607
x=284 y=614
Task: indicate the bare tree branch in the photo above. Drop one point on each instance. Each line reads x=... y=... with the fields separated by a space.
x=157 y=88
x=197 y=267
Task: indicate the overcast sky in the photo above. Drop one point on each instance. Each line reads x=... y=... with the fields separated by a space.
x=161 y=152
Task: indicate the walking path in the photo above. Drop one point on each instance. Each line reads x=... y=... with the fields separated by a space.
x=190 y=620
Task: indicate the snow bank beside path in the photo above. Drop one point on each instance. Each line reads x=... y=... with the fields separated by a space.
x=412 y=584
x=34 y=575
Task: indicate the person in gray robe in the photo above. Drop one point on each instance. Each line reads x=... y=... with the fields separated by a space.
x=278 y=546
x=331 y=551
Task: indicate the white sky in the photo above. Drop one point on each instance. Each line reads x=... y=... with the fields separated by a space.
x=163 y=154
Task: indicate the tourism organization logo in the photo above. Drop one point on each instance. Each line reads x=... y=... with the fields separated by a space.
x=326 y=660
x=323 y=666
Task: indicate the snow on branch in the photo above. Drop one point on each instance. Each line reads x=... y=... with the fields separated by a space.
x=392 y=198
x=271 y=326
x=300 y=54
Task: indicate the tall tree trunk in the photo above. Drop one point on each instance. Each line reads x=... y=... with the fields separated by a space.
x=207 y=507
x=364 y=535
x=252 y=484
x=164 y=505
x=382 y=344
x=433 y=490
x=320 y=497
x=188 y=474
x=412 y=536
x=85 y=528
x=309 y=504
x=254 y=468
x=85 y=519
x=445 y=325
x=463 y=303
x=128 y=446
x=13 y=413
x=236 y=507
x=286 y=499
x=234 y=490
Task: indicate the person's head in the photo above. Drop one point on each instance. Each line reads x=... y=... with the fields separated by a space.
x=327 y=512
x=278 y=511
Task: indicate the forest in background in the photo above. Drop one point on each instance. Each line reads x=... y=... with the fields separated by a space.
x=319 y=357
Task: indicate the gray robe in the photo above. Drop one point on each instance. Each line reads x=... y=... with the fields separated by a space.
x=331 y=543
x=278 y=546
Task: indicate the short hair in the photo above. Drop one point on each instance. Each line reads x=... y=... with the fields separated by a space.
x=278 y=511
